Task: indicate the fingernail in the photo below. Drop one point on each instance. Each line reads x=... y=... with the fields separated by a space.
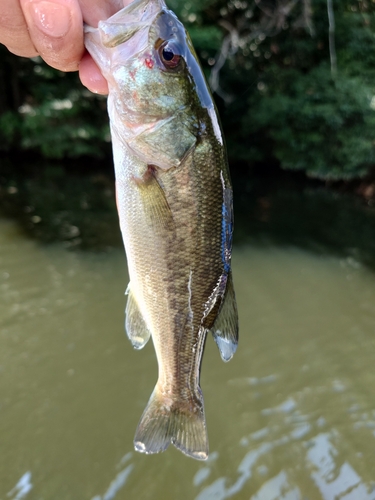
x=53 y=19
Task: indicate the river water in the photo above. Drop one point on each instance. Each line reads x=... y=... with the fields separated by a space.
x=292 y=416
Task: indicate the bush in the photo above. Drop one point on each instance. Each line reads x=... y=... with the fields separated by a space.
x=317 y=125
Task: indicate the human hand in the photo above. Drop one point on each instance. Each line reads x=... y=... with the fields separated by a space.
x=53 y=29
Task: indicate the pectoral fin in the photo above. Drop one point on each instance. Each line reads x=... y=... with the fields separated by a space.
x=225 y=328
x=154 y=201
x=135 y=325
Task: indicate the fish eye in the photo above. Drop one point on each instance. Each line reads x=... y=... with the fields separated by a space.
x=169 y=55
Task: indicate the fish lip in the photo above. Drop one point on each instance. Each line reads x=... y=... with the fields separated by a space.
x=135 y=12
x=127 y=25
x=138 y=12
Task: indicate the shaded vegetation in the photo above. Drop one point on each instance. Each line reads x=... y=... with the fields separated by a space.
x=48 y=112
x=270 y=64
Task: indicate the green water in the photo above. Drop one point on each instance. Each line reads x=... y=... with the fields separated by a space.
x=292 y=416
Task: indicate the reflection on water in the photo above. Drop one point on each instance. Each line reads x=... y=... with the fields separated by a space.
x=292 y=416
x=118 y=482
x=22 y=488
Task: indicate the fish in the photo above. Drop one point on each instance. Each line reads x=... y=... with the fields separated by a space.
x=175 y=203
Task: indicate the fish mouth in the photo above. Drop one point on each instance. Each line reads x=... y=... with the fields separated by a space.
x=131 y=24
x=128 y=21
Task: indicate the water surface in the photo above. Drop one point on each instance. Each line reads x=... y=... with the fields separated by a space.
x=292 y=416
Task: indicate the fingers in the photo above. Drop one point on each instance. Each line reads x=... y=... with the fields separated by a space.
x=89 y=72
x=91 y=76
x=55 y=28
x=13 y=30
x=93 y=12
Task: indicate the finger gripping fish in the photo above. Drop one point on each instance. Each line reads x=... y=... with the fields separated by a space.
x=174 y=198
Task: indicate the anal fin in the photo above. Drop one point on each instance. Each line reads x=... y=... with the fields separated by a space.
x=135 y=325
x=225 y=328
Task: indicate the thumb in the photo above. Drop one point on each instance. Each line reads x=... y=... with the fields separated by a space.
x=55 y=28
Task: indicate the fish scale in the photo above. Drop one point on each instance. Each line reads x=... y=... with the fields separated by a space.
x=174 y=199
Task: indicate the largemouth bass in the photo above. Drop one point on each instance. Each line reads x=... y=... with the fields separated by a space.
x=174 y=198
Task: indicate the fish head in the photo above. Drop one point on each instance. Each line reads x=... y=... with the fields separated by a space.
x=151 y=67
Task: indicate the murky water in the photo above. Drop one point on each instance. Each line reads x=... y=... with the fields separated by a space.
x=292 y=416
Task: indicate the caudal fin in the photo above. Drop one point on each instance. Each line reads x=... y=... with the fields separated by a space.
x=180 y=422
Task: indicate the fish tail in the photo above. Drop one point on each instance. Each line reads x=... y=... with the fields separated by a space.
x=180 y=422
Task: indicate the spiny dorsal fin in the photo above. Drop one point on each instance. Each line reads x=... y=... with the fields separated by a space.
x=225 y=328
x=135 y=325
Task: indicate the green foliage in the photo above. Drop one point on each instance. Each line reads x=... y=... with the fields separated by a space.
x=317 y=125
x=59 y=128
x=295 y=110
x=49 y=112
x=277 y=96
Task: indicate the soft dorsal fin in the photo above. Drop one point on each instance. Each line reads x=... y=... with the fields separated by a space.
x=135 y=325
x=225 y=328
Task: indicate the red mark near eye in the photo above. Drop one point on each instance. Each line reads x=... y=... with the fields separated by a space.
x=149 y=62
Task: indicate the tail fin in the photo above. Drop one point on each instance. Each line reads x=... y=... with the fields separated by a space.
x=180 y=422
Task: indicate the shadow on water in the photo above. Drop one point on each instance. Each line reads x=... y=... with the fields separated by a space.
x=77 y=206
x=278 y=208
x=52 y=203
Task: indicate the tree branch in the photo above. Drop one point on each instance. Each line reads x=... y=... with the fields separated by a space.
x=331 y=38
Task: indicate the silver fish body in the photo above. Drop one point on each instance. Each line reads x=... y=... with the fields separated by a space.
x=174 y=198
